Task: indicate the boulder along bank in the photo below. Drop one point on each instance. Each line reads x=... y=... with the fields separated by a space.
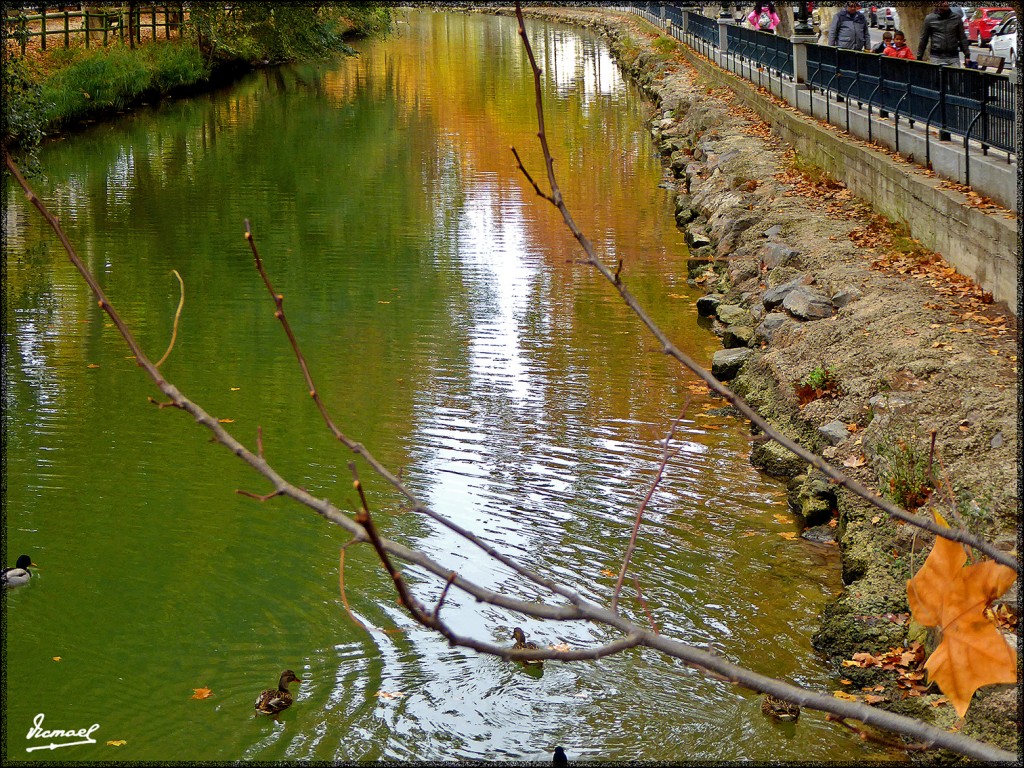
x=852 y=340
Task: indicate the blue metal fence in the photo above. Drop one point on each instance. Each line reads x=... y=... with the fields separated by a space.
x=968 y=103
x=761 y=48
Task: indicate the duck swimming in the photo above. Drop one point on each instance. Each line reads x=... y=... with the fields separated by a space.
x=780 y=709
x=19 y=574
x=521 y=644
x=274 y=700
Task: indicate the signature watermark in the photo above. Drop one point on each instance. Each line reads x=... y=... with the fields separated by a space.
x=84 y=735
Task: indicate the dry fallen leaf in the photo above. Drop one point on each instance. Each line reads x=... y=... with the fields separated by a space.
x=789 y=535
x=116 y=743
x=844 y=695
x=56 y=658
x=389 y=694
x=607 y=572
x=949 y=594
x=226 y=421
x=92 y=365
x=855 y=461
x=559 y=647
x=201 y=693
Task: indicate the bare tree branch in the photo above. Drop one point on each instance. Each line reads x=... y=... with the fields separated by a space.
x=670 y=349
x=364 y=530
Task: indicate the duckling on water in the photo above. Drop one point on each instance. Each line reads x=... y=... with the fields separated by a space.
x=521 y=644
x=272 y=700
x=780 y=709
x=19 y=574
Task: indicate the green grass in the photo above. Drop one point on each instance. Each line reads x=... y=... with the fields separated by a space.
x=102 y=79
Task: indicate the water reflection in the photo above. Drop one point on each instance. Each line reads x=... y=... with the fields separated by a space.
x=449 y=326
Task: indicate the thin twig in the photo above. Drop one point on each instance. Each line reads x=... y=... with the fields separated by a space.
x=177 y=316
x=643 y=604
x=341 y=584
x=665 y=456
x=866 y=735
x=444 y=594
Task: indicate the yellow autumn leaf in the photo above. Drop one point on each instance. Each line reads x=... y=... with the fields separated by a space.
x=116 y=743
x=56 y=658
x=789 y=535
x=949 y=594
x=844 y=695
x=201 y=693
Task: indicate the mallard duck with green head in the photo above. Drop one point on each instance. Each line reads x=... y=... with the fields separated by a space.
x=780 y=709
x=19 y=574
x=274 y=700
x=522 y=644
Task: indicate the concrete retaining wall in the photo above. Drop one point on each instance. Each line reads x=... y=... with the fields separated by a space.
x=983 y=246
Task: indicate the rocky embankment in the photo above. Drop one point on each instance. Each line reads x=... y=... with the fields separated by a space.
x=854 y=342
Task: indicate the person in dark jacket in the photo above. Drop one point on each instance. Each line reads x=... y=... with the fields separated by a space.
x=944 y=37
x=849 y=29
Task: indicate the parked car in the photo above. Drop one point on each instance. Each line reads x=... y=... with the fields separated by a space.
x=889 y=18
x=1004 y=41
x=984 y=20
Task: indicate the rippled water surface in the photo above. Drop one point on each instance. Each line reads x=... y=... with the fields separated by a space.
x=449 y=328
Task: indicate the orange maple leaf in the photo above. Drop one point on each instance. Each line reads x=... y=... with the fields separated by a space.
x=201 y=693
x=948 y=594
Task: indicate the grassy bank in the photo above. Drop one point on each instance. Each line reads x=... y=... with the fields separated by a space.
x=45 y=92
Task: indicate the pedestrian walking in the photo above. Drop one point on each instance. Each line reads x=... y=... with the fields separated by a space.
x=764 y=17
x=943 y=37
x=849 y=29
x=899 y=47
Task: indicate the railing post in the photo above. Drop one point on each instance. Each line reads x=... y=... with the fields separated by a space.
x=85 y=12
x=723 y=34
x=943 y=135
x=67 y=29
x=800 y=43
x=42 y=14
x=686 y=22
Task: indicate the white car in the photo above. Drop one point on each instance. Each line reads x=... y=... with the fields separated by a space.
x=888 y=18
x=1005 y=43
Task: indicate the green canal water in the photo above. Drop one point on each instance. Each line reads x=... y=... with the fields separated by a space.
x=448 y=328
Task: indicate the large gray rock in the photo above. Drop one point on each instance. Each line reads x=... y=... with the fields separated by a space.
x=732 y=314
x=695 y=238
x=726 y=363
x=706 y=305
x=834 y=432
x=773 y=297
x=845 y=296
x=736 y=336
x=777 y=255
x=771 y=323
x=806 y=303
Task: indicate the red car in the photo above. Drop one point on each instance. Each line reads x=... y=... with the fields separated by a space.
x=984 y=20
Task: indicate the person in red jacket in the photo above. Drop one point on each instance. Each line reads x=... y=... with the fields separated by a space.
x=899 y=47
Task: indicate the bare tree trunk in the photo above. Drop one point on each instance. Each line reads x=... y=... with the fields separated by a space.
x=785 y=28
x=825 y=14
x=912 y=22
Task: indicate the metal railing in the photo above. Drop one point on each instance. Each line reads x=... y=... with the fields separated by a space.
x=966 y=102
x=972 y=104
x=761 y=48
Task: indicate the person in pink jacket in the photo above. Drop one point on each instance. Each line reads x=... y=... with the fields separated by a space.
x=899 y=47
x=764 y=17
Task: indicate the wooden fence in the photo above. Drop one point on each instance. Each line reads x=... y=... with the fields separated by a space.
x=133 y=23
